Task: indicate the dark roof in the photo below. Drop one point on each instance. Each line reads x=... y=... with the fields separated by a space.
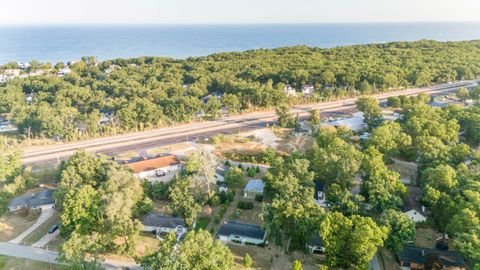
x=412 y=254
x=43 y=197
x=241 y=229
x=158 y=220
x=318 y=187
x=316 y=241
x=411 y=203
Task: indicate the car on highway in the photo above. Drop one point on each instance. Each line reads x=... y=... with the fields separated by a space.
x=53 y=228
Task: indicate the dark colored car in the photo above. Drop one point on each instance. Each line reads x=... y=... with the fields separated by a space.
x=53 y=228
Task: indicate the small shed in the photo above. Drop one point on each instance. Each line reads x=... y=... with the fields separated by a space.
x=253 y=188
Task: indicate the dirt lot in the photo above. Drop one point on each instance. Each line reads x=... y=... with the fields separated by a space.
x=273 y=257
x=426 y=237
x=11 y=225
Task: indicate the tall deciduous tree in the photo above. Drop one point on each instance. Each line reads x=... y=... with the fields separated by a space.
x=372 y=112
x=401 y=229
x=351 y=243
x=198 y=251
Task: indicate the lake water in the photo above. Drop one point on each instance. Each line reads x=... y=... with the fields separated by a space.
x=64 y=43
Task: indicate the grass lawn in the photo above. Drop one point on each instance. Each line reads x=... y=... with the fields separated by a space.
x=426 y=237
x=146 y=243
x=202 y=223
x=11 y=225
x=14 y=263
x=42 y=230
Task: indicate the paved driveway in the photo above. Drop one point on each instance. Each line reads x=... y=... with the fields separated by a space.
x=44 y=216
x=46 y=239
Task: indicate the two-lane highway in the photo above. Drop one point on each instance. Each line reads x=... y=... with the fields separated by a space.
x=51 y=154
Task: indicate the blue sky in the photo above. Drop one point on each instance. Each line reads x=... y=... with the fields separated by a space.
x=233 y=11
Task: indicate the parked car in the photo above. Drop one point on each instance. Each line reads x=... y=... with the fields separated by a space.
x=53 y=228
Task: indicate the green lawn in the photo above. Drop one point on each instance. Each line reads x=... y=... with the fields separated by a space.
x=14 y=263
x=202 y=223
x=42 y=230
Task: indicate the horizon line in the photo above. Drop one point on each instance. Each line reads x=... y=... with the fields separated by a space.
x=227 y=23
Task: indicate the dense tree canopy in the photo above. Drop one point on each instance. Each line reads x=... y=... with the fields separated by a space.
x=198 y=251
x=153 y=91
x=98 y=199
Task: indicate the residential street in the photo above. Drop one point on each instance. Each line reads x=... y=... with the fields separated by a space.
x=38 y=254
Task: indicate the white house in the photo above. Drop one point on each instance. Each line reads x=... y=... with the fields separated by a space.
x=307 y=90
x=155 y=169
x=158 y=224
x=354 y=123
x=23 y=66
x=289 y=91
x=111 y=68
x=253 y=188
x=40 y=200
x=415 y=211
x=319 y=196
x=241 y=233
x=64 y=71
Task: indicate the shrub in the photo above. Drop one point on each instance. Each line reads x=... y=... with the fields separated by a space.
x=259 y=198
x=251 y=171
x=240 y=166
x=234 y=176
x=247 y=260
x=257 y=169
x=245 y=205
x=227 y=163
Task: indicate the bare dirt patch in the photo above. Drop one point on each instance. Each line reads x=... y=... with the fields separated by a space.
x=11 y=225
x=426 y=237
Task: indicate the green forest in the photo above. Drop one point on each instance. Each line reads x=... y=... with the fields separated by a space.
x=149 y=92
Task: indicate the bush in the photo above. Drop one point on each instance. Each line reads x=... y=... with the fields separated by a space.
x=259 y=198
x=251 y=171
x=234 y=176
x=245 y=205
x=227 y=163
x=247 y=260
x=217 y=218
x=214 y=200
x=236 y=214
x=226 y=196
x=257 y=169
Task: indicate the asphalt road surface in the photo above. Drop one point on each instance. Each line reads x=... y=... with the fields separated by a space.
x=53 y=154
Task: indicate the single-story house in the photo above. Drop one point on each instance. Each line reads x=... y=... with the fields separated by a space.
x=354 y=123
x=415 y=258
x=319 y=196
x=316 y=244
x=289 y=91
x=307 y=89
x=241 y=233
x=154 y=169
x=413 y=209
x=40 y=200
x=158 y=224
x=64 y=71
x=253 y=188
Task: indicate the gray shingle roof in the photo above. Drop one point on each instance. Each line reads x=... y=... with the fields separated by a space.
x=241 y=229
x=411 y=254
x=255 y=185
x=158 y=220
x=43 y=197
